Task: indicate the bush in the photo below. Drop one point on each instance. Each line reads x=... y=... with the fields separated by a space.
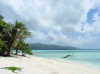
x=23 y=47
x=28 y=52
x=1 y=45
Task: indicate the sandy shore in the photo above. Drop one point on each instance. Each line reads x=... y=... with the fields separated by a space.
x=37 y=65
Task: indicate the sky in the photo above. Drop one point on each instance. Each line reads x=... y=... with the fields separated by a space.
x=61 y=22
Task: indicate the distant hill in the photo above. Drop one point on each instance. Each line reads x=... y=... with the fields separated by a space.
x=39 y=46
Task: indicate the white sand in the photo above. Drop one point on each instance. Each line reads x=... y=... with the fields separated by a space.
x=37 y=65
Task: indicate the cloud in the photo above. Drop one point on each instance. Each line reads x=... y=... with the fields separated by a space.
x=60 y=22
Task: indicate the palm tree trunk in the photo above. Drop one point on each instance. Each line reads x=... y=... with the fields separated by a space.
x=11 y=45
x=10 y=48
x=9 y=51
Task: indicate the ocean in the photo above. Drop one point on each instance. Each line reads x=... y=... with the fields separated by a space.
x=82 y=56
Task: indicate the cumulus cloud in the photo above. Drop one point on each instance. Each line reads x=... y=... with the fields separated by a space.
x=60 y=22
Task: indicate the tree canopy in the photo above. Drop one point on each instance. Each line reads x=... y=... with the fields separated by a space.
x=11 y=35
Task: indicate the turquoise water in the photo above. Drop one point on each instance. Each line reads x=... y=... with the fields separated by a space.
x=84 y=56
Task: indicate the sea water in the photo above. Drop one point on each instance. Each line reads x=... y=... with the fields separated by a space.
x=83 y=56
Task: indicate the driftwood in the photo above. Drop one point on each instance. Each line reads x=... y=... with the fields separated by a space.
x=67 y=56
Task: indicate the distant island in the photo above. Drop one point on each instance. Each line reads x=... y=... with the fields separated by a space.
x=40 y=46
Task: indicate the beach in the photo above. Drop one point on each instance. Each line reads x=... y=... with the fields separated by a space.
x=39 y=65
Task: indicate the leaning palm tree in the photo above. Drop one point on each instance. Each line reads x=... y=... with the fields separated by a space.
x=10 y=34
x=19 y=32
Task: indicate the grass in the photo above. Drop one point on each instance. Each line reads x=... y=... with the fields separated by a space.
x=13 y=68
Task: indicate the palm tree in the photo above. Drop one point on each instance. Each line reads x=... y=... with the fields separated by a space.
x=19 y=32
x=10 y=34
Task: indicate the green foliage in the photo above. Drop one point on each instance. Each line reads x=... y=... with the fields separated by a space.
x=28 y=52
x=23 y=47
x=1 y=17
x=1 y=45
x=12 y=33
x=13 y=68
x=21 y=30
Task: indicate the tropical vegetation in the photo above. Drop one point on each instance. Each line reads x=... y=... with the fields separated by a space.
x=12 y=38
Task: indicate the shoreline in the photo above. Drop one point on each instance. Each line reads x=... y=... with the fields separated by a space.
x=80 y=63
x=39 y=65
x=74 y=61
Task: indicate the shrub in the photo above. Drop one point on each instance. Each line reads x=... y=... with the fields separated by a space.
x=1 y=45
